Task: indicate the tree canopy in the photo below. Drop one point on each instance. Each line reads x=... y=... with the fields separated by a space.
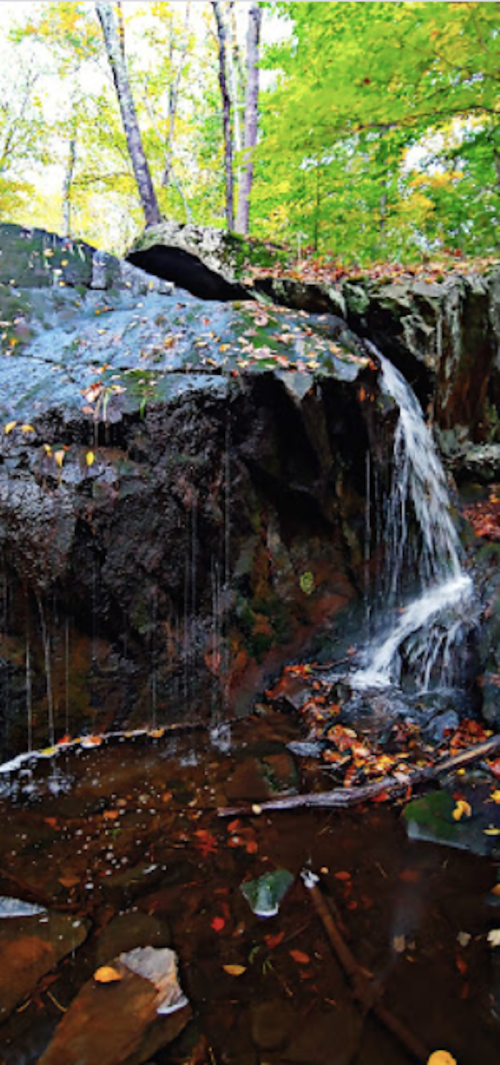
x=378 y=124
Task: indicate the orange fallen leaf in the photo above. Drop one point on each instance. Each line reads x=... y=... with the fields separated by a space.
x=441 y=1057
x=342 y=875
x=110 y=815
x=298 y=956
x=107 y=975
x=235 y=970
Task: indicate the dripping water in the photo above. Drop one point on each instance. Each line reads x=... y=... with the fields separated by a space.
x=421 y=542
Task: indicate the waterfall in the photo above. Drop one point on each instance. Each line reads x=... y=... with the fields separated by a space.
x=420 y=541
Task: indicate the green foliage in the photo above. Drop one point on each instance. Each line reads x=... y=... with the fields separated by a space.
x=380 y=135
x=379 y=125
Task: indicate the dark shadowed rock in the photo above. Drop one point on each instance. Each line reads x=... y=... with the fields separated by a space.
x=121 y=1017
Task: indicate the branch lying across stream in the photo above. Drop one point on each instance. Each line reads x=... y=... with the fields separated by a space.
x=364 y=986
x=343 y=797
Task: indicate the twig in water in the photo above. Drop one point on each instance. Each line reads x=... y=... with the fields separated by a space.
x=363 y=984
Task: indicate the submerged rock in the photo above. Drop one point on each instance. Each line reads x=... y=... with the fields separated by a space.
x=29 y=948
x=265 y=894
x=124 y=1014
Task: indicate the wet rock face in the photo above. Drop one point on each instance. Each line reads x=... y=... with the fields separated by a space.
x=181 y=496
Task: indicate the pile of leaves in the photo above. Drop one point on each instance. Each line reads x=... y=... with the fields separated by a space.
x=357 y=756
x=484 y=516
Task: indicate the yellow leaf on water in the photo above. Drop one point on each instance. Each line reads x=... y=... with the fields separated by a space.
x=9 y=427
x=90 y=458
x=235 y=970
x=59 y=457
x=27 y=429
x=491 y=831
x=441 y=1057
x=462 y=809
x=107 y=975
x=495 y=795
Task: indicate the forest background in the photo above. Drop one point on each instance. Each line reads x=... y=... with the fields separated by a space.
x=378 y=123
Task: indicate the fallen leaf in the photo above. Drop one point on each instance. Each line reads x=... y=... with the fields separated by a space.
x=59 y=457
x=399 y=944
x=495 y=796
x=90 y=458
x=462 y=809
x=274 y=941
x=217 y=924
x=107 y=975
x=464 y=938
x=235 y=970
x=496 y=890
x=494 y=937
x=441 y=1057
x=9 y=427
x=342 y=875
x=298 y=956
x=491 y=831
x=27 y=429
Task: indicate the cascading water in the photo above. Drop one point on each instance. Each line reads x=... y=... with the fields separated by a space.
x=420 y=542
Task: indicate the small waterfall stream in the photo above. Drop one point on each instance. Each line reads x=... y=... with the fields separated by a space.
x=431 y=623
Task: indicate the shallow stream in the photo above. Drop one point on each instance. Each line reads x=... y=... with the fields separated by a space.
x=126 y=841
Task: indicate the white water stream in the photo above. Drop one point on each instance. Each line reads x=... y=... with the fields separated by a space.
x=433 y=621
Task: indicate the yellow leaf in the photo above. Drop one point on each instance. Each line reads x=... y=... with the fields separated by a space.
x=47 y=448
x=491 y=831
x=441 y=1057
x=9 y=427
x=48 y=253
x=224 y=347
x=496 y=890
x=495 y=795
x=27 y=429
x=462 y=808
x=90 y=458
x=235 y=970
x=64 y=262
x=59 y=457
x=494 y=937
x=107 y=975
x=156 y=733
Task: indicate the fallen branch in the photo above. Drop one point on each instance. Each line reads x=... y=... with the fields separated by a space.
x=342 y=797
x=364 y=986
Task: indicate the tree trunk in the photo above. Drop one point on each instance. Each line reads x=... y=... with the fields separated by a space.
x=116 y=57
x=251 y=116
x=173 y=98
x=67 y=184
x=226 y=113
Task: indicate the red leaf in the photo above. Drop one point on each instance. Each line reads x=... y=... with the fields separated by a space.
x=217 y=924
x=207 y=843
x=274 y=941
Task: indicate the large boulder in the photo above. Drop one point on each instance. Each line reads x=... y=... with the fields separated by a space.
x=181 y=494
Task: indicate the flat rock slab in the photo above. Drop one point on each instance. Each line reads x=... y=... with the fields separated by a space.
x=29 y=948
x=117 y=1022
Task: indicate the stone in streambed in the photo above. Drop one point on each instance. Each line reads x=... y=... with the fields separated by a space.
x=29 y=948
x=126 y=1020
x=130 y=930
x=272 y=1022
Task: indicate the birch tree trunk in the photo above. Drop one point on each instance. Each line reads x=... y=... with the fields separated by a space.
x=68 y=182
x=113 y=40
x=251 y=117
x=226 y=113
